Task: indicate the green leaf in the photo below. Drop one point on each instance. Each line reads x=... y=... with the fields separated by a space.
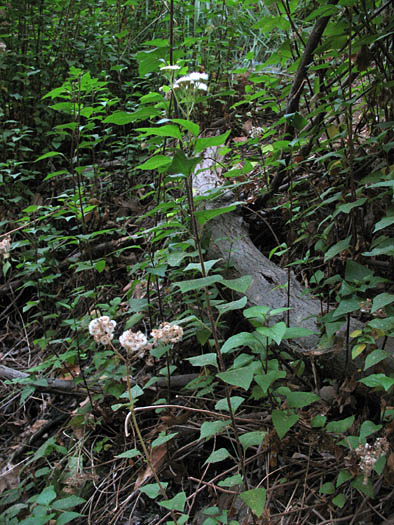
x=203 y=216
x=241 y=284
x=163 y=131
x=343 y=476
x=374 y=358
x=356 y=272
x=48 y=155
x=255 y=499
x=204 y=360
x=218 y=455
x=233 y=305
x=364 y=488
x=241 y=377
x=238 y=340
x=266 y=380
x=67 y=503
x=176 y=503
x=152 y=490
x=231 y=481
x=187 y=124
x=368 y=428
x=66 y=517
x=318 y=421
x=197 y=284
x=341 y=426
x=327 y=488
x=283 y=421
x=26 y=392
x=158 y=161
x=297 y=331
x=120 y=118
x=163 y=439
x=339 y=500
x=100 y=265
x=384 y=223
x=182 y=164
x=204 y=143
x=382 y=300
x=379 y=465
x=235 y=402
x=337 y=248
x=378 y=381
x=346 y=306
x=208 y=265
x=212 y=428
x=347 y=207
x=131 y=453
x=46 y=496
x=252 y=439
x=275 y=332
x=301 y=399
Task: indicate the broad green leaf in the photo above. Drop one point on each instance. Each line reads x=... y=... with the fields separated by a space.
x=132 y=453
x=283 y=421
x=382 y=300
x=337 y=248
x=231 y=481
x=343 y=476
x=48 y=155
x=163 y=439
x=187 y=124
x=364 y=488
x=347 y=306
x=235 y=402
x=120 y=118
x=368 y=428
x=182 y=165
x=275 y=332
x=301 y=399
x=198 y=284
x=266 y=380
x=158 y=161
x=255 y=499
x=318 y=421
x=384 y=223
x=233 y=305
x=260 y=312
x=347 y=207
x=252 y=439
x=357 y=272
x=66 y=517
x=297 y=331
x=378 y=381
x=175 y=503
x=67 y=503
x=241 y=377
x=339 y=500
x=203 y=360
x=204 y=216
x=218 y=455
x=339 y=427
x=46 y=496
x=379 y=465
x=327 y=488
x=100 y=265
x=152 y=490
x=238 y=340
x=208 y=265
x=374 y=358
x=241 y=284
x=212 y=428
x=204 y=143
x=167 y=130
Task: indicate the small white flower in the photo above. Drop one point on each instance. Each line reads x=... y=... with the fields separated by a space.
x=197 y=76
x=134 y=341
x=167 y=333
x=201 y=86
x=5 y=246
x=102 y=329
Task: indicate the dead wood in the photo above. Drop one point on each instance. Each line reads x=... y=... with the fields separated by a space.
x=229 y=240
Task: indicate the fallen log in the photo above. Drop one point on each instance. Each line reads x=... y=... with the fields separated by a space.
x=272 y=285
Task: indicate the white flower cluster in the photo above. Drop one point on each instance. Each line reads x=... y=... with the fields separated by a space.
x=173 y=67
x=5 y=246
x=102 y=329
x=255 y=131
x=369 y=454
x=193 y=80
x=134 y=341
x=167 y=333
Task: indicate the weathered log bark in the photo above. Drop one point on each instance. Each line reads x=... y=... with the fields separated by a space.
x=229 y=239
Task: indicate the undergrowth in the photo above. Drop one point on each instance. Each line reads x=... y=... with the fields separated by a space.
x=139 y=383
